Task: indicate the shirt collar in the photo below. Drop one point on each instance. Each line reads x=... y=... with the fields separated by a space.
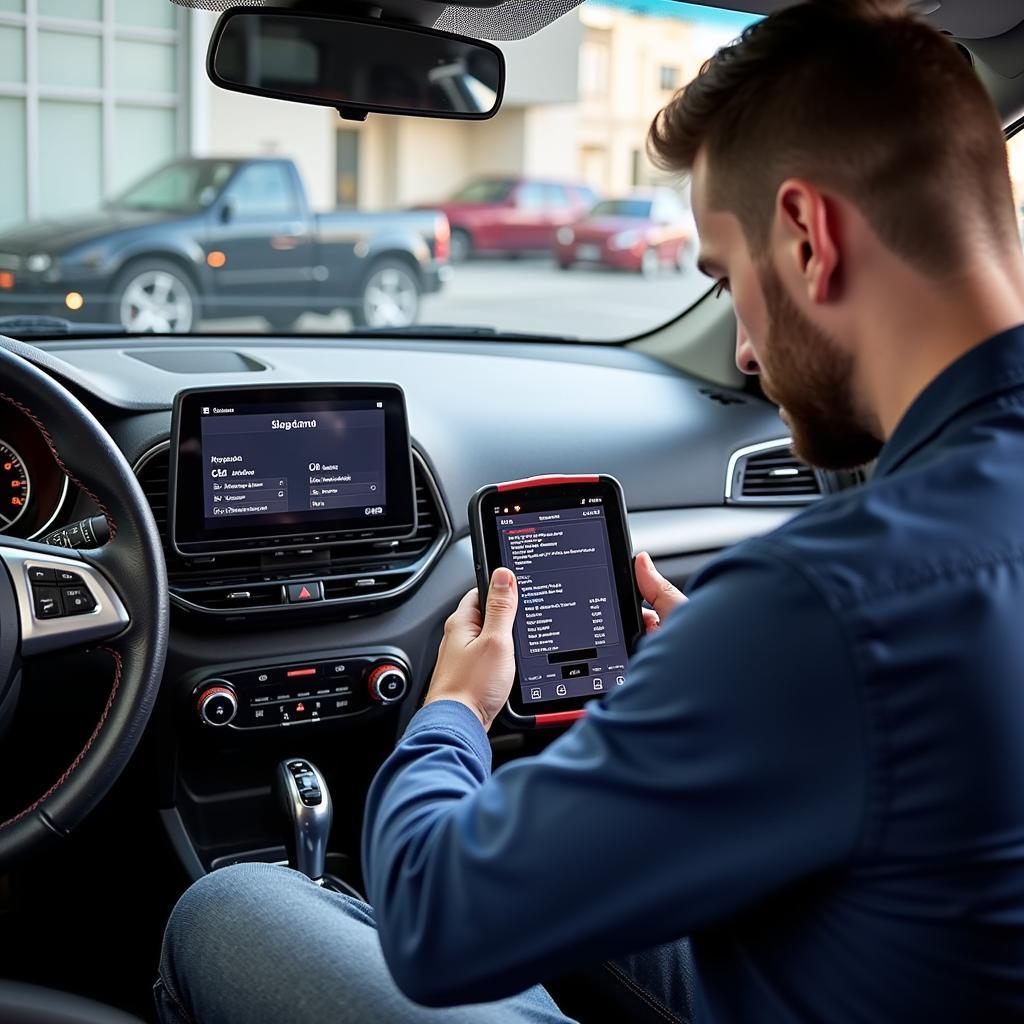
x=994 y=366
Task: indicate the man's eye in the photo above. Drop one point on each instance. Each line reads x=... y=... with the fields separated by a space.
x=722 y=286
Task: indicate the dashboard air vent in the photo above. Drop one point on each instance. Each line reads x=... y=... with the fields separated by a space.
x=354 y=574
x=769 y=473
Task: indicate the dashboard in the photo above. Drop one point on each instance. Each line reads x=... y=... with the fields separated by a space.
x=324 y=650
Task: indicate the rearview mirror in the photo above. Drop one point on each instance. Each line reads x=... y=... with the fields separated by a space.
x=355 y=65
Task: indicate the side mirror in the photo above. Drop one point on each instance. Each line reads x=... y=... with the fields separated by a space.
x=227 y=211
x=355 y=65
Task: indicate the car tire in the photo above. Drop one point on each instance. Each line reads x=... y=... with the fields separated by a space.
x=155 y=296
x=682 y=260
x=281 y=323
x=650 y=263
x=460 y=247
x=390 y=296
x=565 y=265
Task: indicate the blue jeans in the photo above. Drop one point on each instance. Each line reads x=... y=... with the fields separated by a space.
x=262 y=944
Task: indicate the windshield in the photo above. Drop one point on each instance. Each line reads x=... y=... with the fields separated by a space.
x=622 y=208
x=141 y=196
x=178 y=188
x=484 y=192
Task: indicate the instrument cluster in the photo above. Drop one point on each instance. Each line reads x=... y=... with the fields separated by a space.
x=33 y=488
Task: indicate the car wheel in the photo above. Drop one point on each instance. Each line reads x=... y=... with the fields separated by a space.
x=683 y=258
x=567 y=265
x=281 y=323
x=460 y=247
x=650 y=263
x=391 y=296
x=155 y=296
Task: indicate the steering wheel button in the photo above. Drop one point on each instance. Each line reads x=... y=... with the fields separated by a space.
x=77 y=600
x=40 y=575
x=46 y=601
x=67 y=579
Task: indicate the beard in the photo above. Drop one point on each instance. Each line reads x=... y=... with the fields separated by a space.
x=807 y=374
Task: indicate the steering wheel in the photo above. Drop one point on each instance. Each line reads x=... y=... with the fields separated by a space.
x=121 y=603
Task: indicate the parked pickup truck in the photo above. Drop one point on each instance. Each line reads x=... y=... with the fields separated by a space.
x=216 y=238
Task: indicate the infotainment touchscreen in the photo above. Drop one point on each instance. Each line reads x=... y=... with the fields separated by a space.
x=279 y=467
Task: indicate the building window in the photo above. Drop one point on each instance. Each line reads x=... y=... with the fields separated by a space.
x=594 y=62
x=118 y=126
x=668 y=77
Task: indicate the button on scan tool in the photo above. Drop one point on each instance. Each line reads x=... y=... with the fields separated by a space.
x=299 y=593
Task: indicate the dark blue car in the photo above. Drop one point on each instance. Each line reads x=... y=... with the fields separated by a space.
x=204 y=239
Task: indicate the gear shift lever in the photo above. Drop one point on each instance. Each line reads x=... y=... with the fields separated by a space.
x=302 y=793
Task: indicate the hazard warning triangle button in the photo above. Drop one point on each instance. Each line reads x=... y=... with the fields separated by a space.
x=311 y=590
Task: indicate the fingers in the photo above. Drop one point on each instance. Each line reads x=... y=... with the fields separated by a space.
x=655 y=589
x=502 y=601
x=651 y=620
x=465 y=621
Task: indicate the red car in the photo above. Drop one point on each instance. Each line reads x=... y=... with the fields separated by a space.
x=641 y=232
x=511 y=215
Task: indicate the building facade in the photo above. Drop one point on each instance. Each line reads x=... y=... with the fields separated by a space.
x=104 y=82
x=119 y=87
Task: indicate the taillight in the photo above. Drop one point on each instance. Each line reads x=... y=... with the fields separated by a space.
x=442 y=239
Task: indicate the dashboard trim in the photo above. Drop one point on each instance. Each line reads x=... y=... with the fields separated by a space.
x=426 y=561
x=666 y=533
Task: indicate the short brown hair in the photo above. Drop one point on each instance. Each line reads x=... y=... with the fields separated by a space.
x=861 y=97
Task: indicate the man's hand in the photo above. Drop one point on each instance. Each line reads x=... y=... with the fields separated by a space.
x=476 y=663
x=656 y=591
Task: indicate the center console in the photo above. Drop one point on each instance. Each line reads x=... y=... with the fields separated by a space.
x=261 y=696
x=294 y=517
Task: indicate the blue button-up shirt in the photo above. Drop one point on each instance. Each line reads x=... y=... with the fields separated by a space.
x=815 y=768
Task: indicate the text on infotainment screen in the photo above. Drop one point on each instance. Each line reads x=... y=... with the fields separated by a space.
x=260 y=463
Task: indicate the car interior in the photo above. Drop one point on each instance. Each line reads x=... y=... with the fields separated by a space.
x=168 y=697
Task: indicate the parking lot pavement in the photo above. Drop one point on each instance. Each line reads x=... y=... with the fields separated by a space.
x=535 y=296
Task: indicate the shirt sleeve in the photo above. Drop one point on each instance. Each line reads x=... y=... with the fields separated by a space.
x=731 y=763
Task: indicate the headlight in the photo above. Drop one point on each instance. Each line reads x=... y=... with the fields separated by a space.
x=38 y=263
x=566 y=236
x=625 y=240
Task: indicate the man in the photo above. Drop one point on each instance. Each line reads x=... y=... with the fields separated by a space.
x=816 y=768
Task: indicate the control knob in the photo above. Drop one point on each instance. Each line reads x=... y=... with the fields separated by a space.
x=217 y=703
x=388 y=683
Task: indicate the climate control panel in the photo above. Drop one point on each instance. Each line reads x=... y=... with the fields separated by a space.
x=300 y=692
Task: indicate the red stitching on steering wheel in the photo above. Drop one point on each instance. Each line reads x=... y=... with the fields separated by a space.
x=118 y=665
x=60 y=462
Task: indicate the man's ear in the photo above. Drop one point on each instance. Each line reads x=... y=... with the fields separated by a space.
x=809 y=238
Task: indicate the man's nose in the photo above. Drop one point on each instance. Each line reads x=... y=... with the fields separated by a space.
x=745 y=358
